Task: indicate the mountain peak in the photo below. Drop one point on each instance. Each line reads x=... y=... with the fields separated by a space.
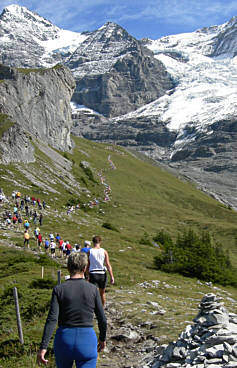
x=46 y=43
x=114 y=32
x=18 y=12
x=15 y=9
x=110 y=25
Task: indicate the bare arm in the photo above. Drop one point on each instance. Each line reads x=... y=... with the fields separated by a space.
x=88 y=266
x=108 y=265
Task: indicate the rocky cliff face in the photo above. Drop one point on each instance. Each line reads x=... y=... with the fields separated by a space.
x=38 y=103
x=115 y=73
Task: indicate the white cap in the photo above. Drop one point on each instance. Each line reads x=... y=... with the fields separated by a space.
x=87 y=242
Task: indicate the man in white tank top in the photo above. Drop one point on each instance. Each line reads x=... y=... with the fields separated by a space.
x=98 y=259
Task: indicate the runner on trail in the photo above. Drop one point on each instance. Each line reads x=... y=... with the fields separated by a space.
x=52 y=249
x=36 y=232
x=14 y=219
x=26 y=224
x=68 y=248
x=41 y=219
x=35 y=217
x=97 y=271
x=46 y=245
x=64 y=249
x=27 y=238
x=57 y=238
x=73 y=306
x=40 y=239
x=51 y=237
x=60 y=247
x=19 y=221
x=27 y=210
x=76 y=248
x=87 y=246
x=22 y=204
x=8 y=221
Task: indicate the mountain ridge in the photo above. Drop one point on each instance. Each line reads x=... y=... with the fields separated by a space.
x=177 y=94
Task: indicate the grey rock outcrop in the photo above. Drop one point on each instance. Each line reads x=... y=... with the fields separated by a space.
x=210 y=342
x=225 y=42
x=115 y=73
x=211 y=161
x=38 y=103
x=15 y=146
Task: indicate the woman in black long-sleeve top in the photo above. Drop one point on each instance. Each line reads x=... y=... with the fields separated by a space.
x=73 y=305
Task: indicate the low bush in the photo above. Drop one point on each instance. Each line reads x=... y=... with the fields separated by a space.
x=73 y=201
x=109 y=226
x=194 y=255
x=45 y=260
x=145 y=239
x=42 y=284
x=87 y=170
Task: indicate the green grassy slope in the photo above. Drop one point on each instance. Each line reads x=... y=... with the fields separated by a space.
x=144 y=199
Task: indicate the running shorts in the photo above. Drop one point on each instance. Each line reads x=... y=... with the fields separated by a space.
x=98 y=279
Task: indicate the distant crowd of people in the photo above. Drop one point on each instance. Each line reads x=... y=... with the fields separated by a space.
x=75 y=301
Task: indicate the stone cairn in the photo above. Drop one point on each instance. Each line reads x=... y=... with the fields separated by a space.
x=210 y=342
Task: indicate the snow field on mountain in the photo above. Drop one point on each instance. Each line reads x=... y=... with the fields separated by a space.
x=64 y=42
x=205 y=89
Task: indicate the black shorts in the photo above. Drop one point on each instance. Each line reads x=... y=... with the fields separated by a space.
x=98 y=279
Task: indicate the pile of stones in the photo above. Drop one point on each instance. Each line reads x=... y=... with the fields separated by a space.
x=210 y=342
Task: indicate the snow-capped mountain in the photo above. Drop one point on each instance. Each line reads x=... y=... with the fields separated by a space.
x=28 y=40
x=115 y=72
x=173 y=99
x=193 y=126
x=205 y=91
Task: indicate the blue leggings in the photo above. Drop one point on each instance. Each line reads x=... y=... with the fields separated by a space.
x=77 y=344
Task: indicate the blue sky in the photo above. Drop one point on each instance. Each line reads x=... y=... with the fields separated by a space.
x=141 y=18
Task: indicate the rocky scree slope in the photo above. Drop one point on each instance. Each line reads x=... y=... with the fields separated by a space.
x=38 y=104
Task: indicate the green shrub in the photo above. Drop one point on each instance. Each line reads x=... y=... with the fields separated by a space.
x=45 y=260
x=83 y=180
x=194 y=255
x=42 y=284
x=145 y=239
x=65 y=155
x=163 y=238
x=11 y=347
x=87 y=170
x=5 y=124
x=73 y=201
x=109 y=226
